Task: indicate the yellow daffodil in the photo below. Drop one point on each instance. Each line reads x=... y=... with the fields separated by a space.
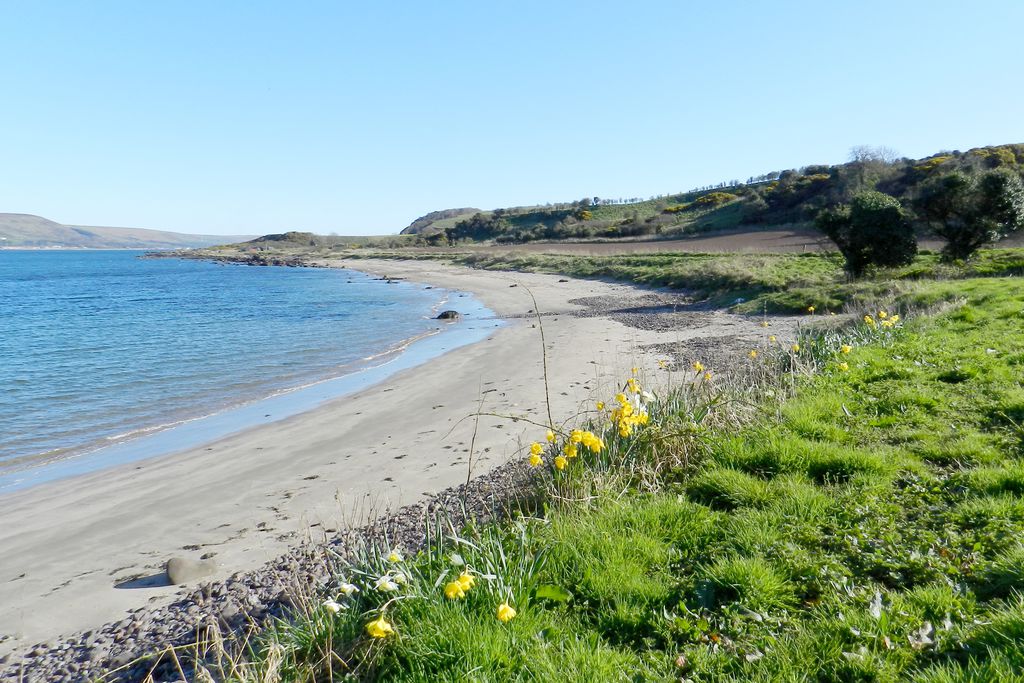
x=795 y=348
x=634 y=370
x=571 y=451
x=752 y=354
x=506 y=612
x=845 y=348
x=844 y=366
x=576 y=436
x=453 y=590
x=395 y=556
x=466 y=580
x=771 y=339
x=550 y=436
x=707 y=376
x=810 y=309
x=634 y=386
x=536 y=448
x=882 y=315
x=868 y=320
x=894 y=319
x=560 y=462
x=536 y=460
x=764 y=323
x=621 y=399
x=698 y=366
x=600 y=405
x=379 y=628
x=663 y=364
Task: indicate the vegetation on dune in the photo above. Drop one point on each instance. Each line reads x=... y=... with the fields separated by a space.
x=846 y=506
x=776 y=283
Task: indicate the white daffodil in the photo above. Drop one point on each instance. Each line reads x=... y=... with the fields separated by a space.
x=347 y=589
x=332 y=606
x=385 y=584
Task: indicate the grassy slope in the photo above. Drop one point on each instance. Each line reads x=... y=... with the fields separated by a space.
x=864 y=525
x=772 y=282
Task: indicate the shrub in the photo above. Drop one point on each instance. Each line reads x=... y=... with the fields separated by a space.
x=872 y=231
x=971 y=210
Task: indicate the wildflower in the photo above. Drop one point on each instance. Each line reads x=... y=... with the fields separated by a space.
x=332 y=607
x=868 y=320
x=536 y=460
x=385 y=584
x=752 y=354
x=663 y=364
x=550 y=436
x=466 y=580
x=621 y=399
x=845 y=348
x=764 y=323
x=536 y=448
x=810 y=309
x=698 y=366
x=894 y=318
x=844 y=366
x=634 y=387
x=887 y=323
x=882 y=315
x=771 y=339
x=453 y=590
x=634 y=370
x=395 y=556
x=795 y=348
x=576 y=436
x=379 y=628
x=400 y=579
x=600 y=405
x=506 y=612
x=592 y=442
x=571 y=450
x=707 y=376
x=347 y=589
x=560 y=462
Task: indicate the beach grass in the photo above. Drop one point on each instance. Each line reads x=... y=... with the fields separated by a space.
x=849 y=508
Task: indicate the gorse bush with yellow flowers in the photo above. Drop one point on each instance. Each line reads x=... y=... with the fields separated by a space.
x=846 y=505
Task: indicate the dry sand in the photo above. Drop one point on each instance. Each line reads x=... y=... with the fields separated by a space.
x=65 y=546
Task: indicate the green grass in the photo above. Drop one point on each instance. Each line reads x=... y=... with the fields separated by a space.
x=865 y=525
x=753 y=283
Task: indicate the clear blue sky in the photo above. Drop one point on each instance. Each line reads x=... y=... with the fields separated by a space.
x=254 y=117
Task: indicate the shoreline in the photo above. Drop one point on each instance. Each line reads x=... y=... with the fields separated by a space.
x=257 y=495
x=157 y=441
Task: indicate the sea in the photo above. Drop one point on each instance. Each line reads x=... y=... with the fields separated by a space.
x=108 y=358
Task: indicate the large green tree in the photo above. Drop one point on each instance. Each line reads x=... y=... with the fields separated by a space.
x=971 y=210
x=872 y=230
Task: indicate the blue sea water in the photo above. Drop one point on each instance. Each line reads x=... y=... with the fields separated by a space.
x=99 y=349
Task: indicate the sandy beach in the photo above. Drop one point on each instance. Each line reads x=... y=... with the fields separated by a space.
x=246 y=499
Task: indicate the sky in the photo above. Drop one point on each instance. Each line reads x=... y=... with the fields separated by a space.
x=356 y=118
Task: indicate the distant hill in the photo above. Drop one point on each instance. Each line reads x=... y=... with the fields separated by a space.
x=437 y=220
x=26 y=230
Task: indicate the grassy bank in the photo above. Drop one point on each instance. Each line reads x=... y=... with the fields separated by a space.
x=850 y=509
x=782 y=283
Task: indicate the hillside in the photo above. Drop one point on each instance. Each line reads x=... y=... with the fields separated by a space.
x=26 y=230
x=775 y=199
x=436 y=221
